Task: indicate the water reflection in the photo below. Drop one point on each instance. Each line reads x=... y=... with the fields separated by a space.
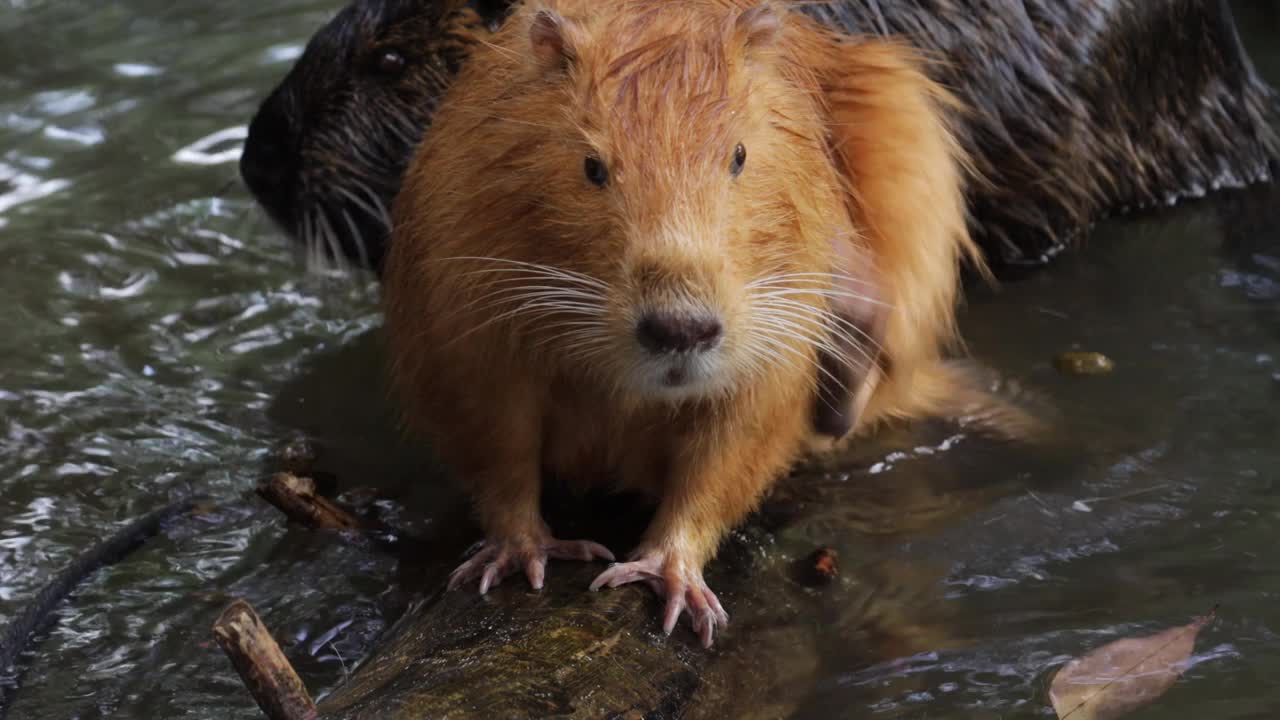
x=21 y=187
x=200 y=151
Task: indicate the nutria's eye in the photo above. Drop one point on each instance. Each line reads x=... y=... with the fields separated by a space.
x=391 y=63
x=493 y=12
x=739 y=159
x=596 y=172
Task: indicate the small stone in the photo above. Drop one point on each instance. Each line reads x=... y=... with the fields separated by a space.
x=1083 y=363
x=822 y=566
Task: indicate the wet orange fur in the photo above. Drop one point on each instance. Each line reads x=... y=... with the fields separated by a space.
x=845 y=139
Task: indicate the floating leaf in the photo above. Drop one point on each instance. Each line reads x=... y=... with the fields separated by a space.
x=1122 y=676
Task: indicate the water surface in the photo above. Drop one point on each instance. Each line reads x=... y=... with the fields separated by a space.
x=158 y=337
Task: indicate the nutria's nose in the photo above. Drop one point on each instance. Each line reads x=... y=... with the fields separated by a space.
x=666 y=332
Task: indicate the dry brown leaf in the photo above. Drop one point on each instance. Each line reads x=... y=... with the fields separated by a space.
x=1122 y=676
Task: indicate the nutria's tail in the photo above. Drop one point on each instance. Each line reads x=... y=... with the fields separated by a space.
x=964 y=392
x=14 y=638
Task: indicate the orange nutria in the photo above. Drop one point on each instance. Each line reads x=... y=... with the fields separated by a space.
x=630 y=234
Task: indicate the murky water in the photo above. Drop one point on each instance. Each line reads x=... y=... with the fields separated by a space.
x=157 y=337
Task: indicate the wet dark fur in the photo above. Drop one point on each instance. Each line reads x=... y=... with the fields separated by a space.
x=327 y=148
x=1078 y=109
x=1082 y=108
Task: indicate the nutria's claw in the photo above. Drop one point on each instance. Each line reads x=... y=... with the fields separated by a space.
x=496 y=560
x=583 y=550
x=684 y=590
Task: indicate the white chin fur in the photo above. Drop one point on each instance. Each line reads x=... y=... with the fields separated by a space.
x=679 y=377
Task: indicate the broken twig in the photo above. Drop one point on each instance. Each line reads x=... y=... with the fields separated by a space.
x=296 y=497
x=262 y=665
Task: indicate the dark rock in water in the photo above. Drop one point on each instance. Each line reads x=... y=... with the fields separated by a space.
x=1077 y=109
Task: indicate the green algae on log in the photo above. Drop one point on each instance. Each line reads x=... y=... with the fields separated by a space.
x=563 y=652
x=566 y=652
x=569 y=653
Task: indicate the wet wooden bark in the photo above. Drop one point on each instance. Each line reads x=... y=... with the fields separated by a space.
x=570 y=653
x=567 y=652
x=296 y=497
x=262 y=665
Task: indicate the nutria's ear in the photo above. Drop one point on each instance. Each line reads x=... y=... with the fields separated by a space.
x=548 y=35
x=759 y=26
x=851 y=361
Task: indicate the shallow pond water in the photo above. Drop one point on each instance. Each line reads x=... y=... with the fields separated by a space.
x=158 y=338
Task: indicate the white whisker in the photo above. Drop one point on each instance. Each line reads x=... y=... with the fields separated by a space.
x=795 y=332
x=824 y=320
x=542 y=297
x=358 y=238
x=810 y=360
x=555 y=271
x=360 y=203
x=828 y=292
x=568 y=306
x=783 y=279
x=331 y=241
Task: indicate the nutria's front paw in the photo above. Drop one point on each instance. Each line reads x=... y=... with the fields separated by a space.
x=497 y=559
x=679 y=582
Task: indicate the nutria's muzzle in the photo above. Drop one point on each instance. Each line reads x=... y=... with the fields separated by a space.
x=678 y=350
x=681 y=320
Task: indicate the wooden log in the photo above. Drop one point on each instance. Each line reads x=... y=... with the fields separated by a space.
x=296 y=497
x=565 y=652
x=262 y=665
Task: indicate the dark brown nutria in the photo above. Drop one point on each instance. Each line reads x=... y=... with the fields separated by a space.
x=1078 y=109
x=328 y=146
